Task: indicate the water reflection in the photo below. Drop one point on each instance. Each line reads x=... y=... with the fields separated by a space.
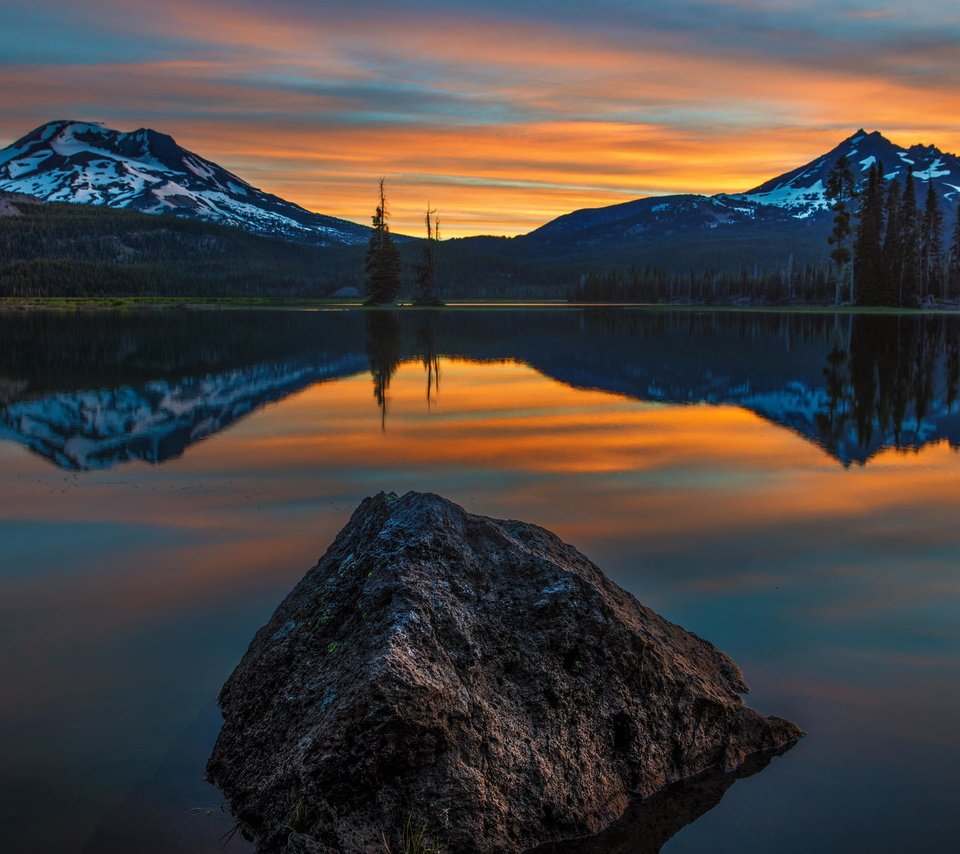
x=650 y=824
x=93 y=392
x=175 y=810
x=383 y=336
x=427 y=351
x=128 y=590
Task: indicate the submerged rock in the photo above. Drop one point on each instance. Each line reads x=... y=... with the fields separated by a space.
x=477 y=677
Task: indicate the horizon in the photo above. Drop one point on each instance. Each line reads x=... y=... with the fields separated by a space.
x=787 y=168
x=502 y=118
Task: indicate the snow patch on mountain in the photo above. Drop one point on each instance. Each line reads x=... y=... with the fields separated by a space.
x=794 y=198
x=802 y=191
x=935 y=170
x=808 y=199
x=83 y=163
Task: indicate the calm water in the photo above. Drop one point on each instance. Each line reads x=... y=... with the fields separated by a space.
x=787 y=486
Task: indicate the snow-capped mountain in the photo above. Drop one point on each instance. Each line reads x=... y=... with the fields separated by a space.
x=69 y=161
x=790 y=208
x=803 y=191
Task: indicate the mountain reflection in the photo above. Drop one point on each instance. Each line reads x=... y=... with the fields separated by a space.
x=90 y=391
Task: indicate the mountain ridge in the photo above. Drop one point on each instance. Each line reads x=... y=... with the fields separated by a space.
x=147 y=171
x=795 y=197
x=779 y=225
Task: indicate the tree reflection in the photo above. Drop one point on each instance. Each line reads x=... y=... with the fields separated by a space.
x=889 y=380
x=831 y=422
x=854 y=385
x=384 y=349
x=427 y=351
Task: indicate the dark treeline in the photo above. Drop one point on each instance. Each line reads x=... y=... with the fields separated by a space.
x=87 y=251
x=899 y=255
x=65 y=250
x=889 y=246
x=807 y=284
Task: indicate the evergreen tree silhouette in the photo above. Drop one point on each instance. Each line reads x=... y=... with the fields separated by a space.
x=426 y=271
x=954 y=275
x=892 y=262
x=910 y=237
x=841 y=190
x=383 y=258
x=869 y=240
x=932 y=281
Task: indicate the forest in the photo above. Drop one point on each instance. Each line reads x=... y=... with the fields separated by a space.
x=881 y=252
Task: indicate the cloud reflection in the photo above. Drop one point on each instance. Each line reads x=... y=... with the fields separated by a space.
x=129 y=595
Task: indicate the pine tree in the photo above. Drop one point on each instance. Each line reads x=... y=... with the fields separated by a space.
x=910 y=229
x=841 y=190
x=931 y=246
x=426 y=271
x=954 y=276
x=869 y=240
x=383 y=258
x=892 y=262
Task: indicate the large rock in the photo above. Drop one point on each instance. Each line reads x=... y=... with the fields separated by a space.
x=477 y=676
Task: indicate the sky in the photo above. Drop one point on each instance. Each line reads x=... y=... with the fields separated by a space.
x=502 y=114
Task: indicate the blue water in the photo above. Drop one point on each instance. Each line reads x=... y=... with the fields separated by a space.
x=783 y=485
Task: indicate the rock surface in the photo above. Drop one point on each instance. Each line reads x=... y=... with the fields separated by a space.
x=476 y=676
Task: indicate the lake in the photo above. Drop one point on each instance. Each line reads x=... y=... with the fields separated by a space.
x=784 y=485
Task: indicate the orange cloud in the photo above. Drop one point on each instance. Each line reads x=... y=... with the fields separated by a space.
x=502 y=124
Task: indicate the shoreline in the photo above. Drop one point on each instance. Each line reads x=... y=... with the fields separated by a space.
x=17 y=304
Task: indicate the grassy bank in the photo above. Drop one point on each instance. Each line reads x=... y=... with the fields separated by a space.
x=239 y=303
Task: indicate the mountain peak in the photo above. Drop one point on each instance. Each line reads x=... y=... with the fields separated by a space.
x=68 y=160
x=803 y=190
x=769 y=214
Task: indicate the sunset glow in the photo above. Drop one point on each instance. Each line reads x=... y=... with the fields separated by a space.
x=500 y=115
x=131 y=591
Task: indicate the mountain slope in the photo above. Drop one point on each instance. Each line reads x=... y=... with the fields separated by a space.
x=787 y=215
x=781 y=225
x=68 y=161
x=668 y=220
x=801 y=191
x=55 y=249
